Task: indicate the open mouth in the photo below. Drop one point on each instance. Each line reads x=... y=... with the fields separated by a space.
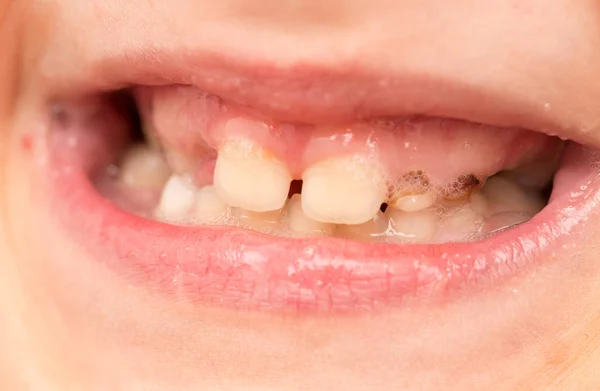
x=225 y=203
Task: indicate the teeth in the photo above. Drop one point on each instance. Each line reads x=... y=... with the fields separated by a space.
x=459 y=191
x=143 y=167
x=418 y=227
x=503 y=220
x=209 y=207
x=248 y=177
x=375 y=229
x=344 y=190
x=300 y=224
x=504 y=195
x=461 y=224
x=177 y=199
x=266 y=222
x=412 y=203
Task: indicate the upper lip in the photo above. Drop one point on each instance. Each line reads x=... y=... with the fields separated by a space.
x=310 y=92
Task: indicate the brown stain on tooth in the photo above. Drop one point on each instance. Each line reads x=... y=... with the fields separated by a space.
x=460 y=189
x=411 y=183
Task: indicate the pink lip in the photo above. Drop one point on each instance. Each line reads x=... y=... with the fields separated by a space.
x=243 y=269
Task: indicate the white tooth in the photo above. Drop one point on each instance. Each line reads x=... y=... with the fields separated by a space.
x=209 y=207
x=376 y=229
x=144 y=167
x=343 y=190
x=418 y=227
x=459 y=225
x=412 y=203
x=177 y=199
x=302 y=225
x=266 y=222
x=504 y=195
x=248 y=177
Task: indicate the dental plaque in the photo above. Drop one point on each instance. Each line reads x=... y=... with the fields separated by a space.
x=395 y=180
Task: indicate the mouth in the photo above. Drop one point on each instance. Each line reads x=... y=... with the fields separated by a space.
x=256 y=196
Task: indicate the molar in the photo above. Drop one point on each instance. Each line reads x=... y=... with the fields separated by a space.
x=144 y=167
x=504 y=195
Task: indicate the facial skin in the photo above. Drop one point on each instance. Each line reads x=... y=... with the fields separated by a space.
x=69 y=324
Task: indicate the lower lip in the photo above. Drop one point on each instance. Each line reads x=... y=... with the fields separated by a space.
x=229 y=267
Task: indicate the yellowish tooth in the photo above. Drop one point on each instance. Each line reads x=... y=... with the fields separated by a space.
x=504 y=195
x=177 y=199
x=144 y=167
x=412 y=203
x=266 y=222
x=209 y=207
x=343 y=190
x=249 y=177
x=300 y=225
x=375 y=229
x=460 y=224
x=479 y=203
x=417 y=227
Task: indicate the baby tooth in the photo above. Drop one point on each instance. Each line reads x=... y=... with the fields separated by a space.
x=343 y=190
x=209 y=207
x=412 y=203
x=504 y=195
x=376 y=229
x=418 y=227
x=177 y=199
x=266 y=222
x=302 y=225
x=459 y=225
x=143 y=167
x=248 y=177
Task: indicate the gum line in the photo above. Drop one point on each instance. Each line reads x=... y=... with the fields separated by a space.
x=193 y=126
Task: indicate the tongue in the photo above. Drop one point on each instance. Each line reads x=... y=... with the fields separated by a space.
x=191 y=125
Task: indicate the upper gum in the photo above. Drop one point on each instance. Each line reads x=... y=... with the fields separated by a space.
x=183 y=121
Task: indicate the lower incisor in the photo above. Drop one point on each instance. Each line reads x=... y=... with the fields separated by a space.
x=265 y=222
x=374 y=230
x=300 y=225
x=415 y=227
